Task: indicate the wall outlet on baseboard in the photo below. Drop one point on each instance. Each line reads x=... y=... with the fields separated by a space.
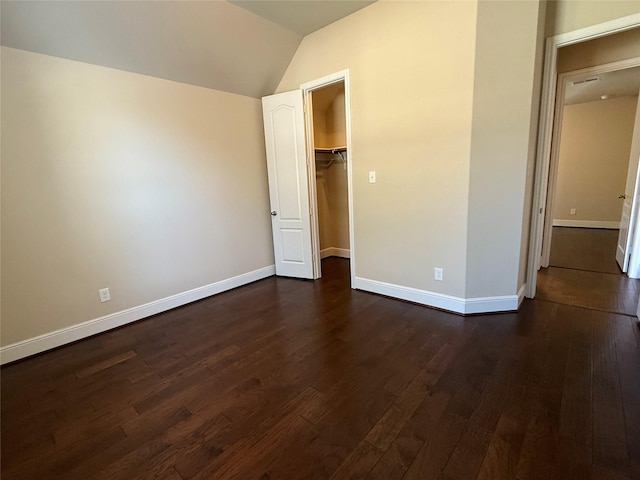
x=572 y=211
x=438 y=274
x=105 y=295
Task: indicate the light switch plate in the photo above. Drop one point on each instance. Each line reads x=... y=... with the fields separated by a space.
x=438 y=274
x=372 y=177
x=104 y=294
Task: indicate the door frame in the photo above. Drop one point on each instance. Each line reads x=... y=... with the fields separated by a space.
x=545 y=132
x=307 y=89
x=563 y=79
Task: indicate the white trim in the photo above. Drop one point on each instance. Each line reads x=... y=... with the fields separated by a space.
x=501 y=304
x=41 y=343
x=335 y=252
x=310 y=144
x=600 y=30
x=506 y=303
x=545 y=129
x=325 y=81
x=341 y=76
x=521 y=292
x=557 y=222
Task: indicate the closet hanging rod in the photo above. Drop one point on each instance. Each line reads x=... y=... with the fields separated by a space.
x=331 y=150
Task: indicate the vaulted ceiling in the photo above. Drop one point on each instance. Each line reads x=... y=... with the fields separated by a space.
x=241 y=47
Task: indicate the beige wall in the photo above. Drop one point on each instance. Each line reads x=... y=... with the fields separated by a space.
x=329 y=116
x=568 y=15
x=114 y=179
x=333 y=207
x=454 y=172
x=505 y=105
x=593 y=159
x=336 y=120
x=599 y=51
x=411 y=100
x=319 y=123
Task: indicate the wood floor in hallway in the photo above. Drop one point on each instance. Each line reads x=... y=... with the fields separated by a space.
x=584 y=272
x=292 y=379
x=588 y=249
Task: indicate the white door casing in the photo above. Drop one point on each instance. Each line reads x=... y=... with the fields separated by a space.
x=307 y=99
x=284 y=130
x=630 y=201
x=307 y=89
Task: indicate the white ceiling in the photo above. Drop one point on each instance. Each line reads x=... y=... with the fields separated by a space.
x=589 y=88
x=214 y=44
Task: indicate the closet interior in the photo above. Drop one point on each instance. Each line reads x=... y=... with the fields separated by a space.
x=331 y=157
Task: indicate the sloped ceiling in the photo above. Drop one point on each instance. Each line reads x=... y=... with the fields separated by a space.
x=302 y=17
x=214 y=44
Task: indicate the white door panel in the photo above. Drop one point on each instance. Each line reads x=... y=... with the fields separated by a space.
x=628 y=218
x=288 y=183
x=292 y=245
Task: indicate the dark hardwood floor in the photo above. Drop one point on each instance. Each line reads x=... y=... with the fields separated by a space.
x=589 y=249
x=291 y=379
x=607 y=292
x=583 y=272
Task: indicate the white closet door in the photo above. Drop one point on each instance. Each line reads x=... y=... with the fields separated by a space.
x=629 y=206
x=288 y=183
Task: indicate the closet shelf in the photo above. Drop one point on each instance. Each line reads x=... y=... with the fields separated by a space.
x=331 y=150
x=329 y=156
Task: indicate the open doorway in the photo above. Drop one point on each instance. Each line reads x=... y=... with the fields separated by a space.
x=599 y=45
x=328 y=138
x=328 y=132
x=591 y=161
x=593 y=190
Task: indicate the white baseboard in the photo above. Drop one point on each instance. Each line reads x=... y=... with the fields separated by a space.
x=586 y=224
x=506 y=303
x=41 y=343
x=335 y=252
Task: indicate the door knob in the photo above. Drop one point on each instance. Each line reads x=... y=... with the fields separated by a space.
x=274 y=213
x=619 y=196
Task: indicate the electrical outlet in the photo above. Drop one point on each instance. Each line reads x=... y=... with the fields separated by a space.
x=372 y=177
x=105 y=295
x=572 y=211
x=438 y=274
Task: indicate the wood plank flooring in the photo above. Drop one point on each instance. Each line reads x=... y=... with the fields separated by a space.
x=597 y=291
x=589 y=249
x=584 y=272
x=292 y=379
